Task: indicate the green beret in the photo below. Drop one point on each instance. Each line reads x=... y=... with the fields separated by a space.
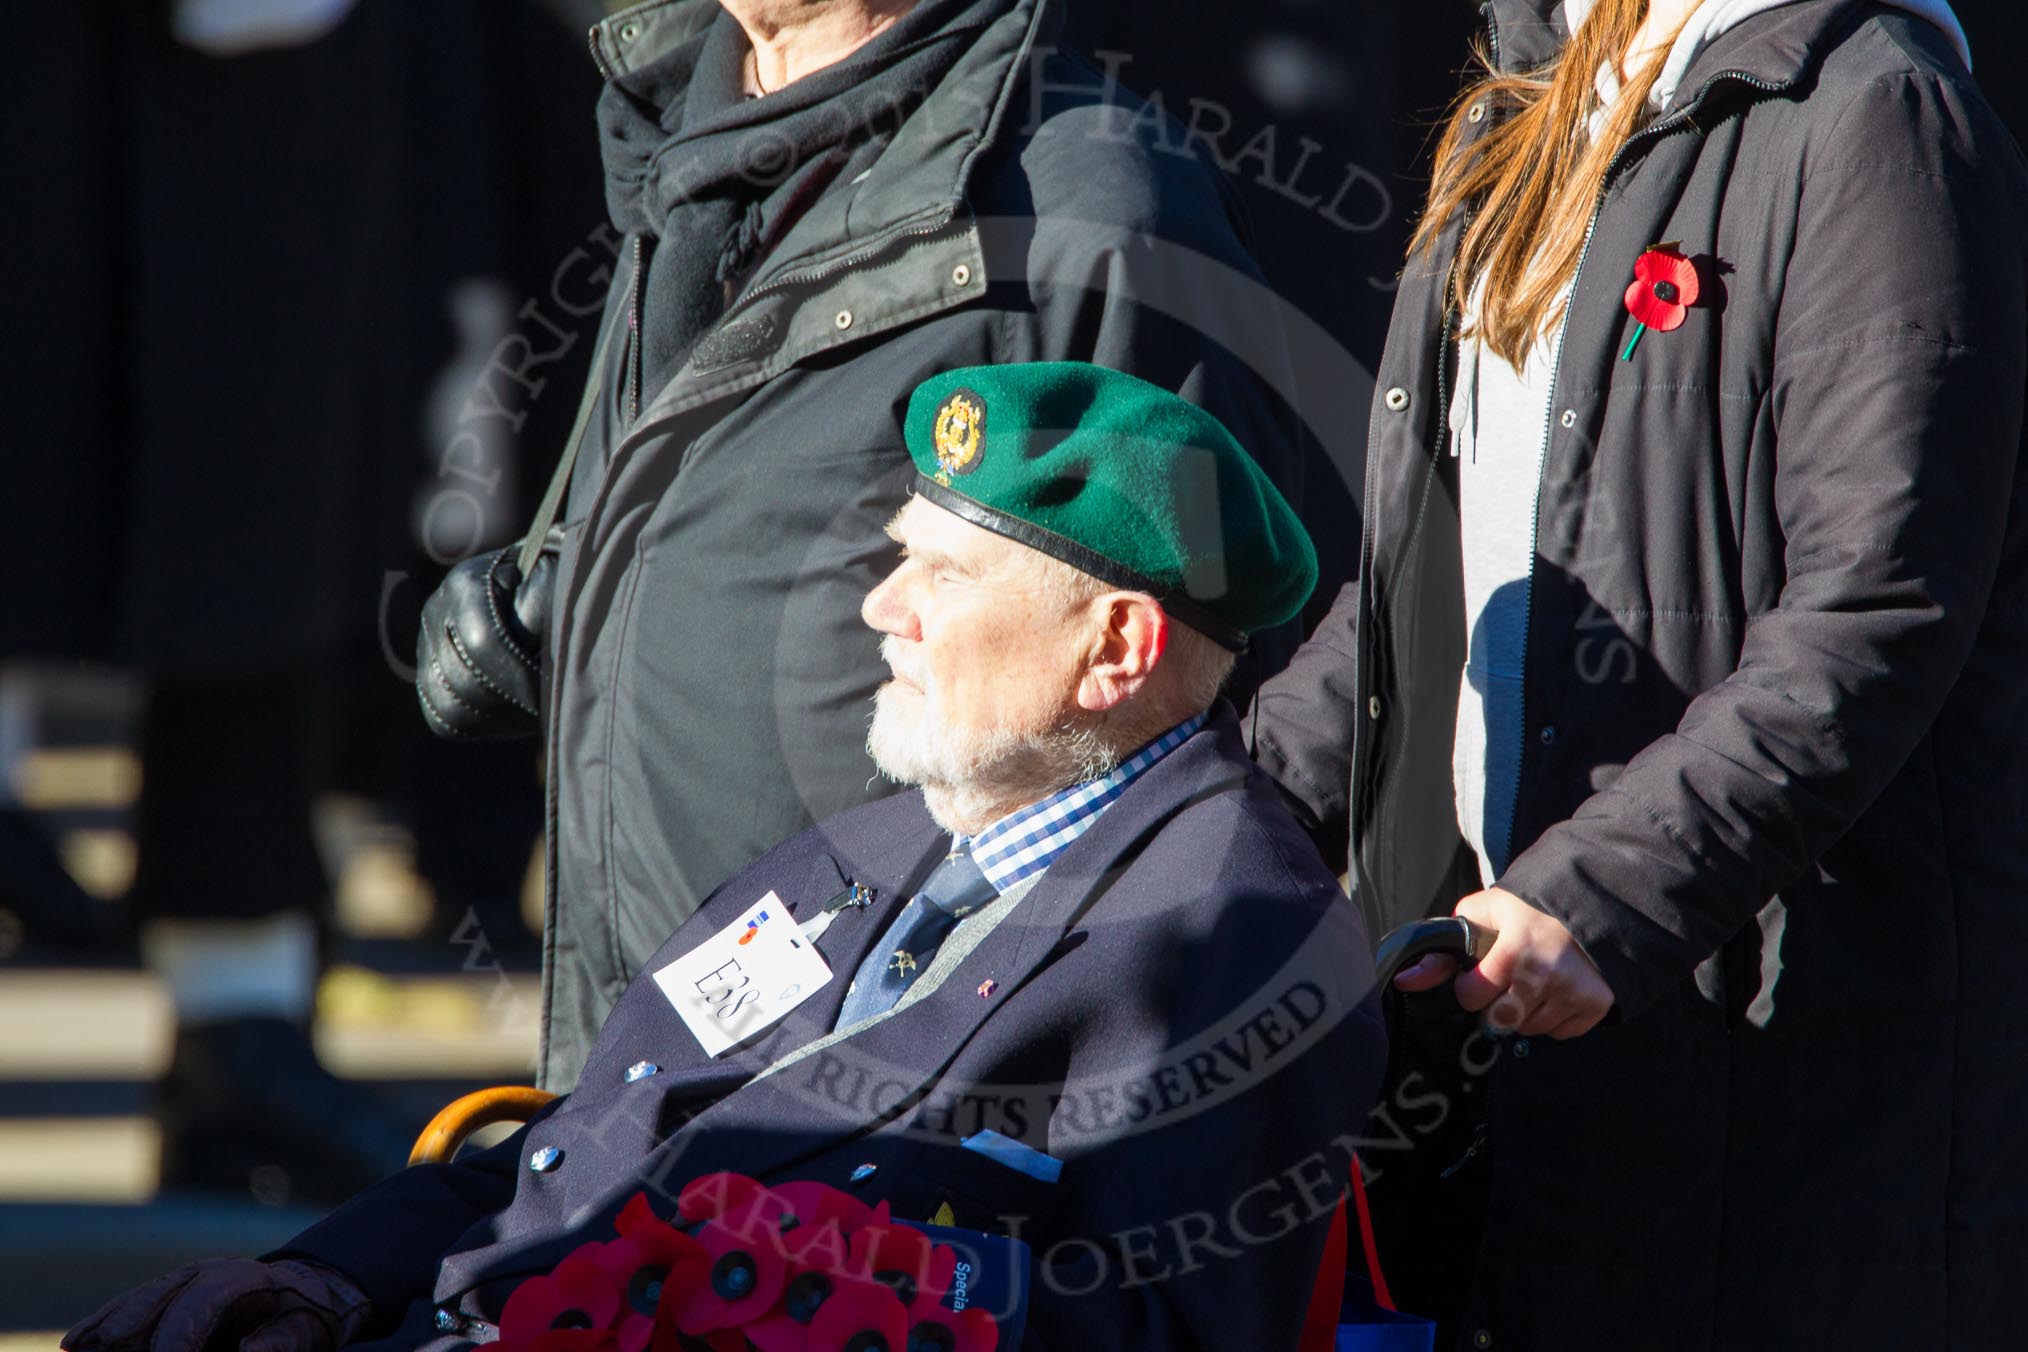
x=1120 y=479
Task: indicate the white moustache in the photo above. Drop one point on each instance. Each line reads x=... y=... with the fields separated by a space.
x=899 y=669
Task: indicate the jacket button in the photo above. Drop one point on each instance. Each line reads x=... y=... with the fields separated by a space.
x=1521 y=1047
x=1570 y=417
x=1396 y=399
x=641 y=1070
x=1373 y=706
x=961 y=275
x=1477 y=113
x=844 y=319
x=629 y=31
x=545 y=1159
x=1549 y=736
x=1482 y=1339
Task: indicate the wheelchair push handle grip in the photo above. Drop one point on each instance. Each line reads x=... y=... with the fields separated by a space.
x=1451 y=935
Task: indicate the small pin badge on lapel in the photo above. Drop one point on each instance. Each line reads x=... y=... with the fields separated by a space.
x=854 y=898
x=987 y=987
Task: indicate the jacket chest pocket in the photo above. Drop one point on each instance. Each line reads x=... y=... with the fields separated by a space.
x=981 y=1193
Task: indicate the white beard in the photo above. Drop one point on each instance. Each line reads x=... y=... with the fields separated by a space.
x=968 y=783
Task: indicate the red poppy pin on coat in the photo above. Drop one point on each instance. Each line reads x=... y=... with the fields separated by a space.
x=1663 y=290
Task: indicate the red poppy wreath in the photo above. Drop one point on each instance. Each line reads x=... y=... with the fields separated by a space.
x=797 y=1268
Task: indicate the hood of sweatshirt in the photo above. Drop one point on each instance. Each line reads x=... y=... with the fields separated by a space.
x=1714 y=18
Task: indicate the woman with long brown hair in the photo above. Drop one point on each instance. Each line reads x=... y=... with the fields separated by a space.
x=1688 y=653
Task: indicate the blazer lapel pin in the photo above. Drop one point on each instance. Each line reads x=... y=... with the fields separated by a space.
x=855 y=897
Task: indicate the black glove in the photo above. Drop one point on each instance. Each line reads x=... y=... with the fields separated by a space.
x=238 y=1302
x=478 y=661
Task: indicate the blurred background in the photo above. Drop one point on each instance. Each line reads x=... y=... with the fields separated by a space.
x=295 y=294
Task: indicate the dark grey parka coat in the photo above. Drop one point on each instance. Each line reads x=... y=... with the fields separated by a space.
x=1775 y=778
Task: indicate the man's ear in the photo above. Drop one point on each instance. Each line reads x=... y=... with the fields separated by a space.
x=1133 y=634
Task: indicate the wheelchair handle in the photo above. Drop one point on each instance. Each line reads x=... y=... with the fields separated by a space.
x=1452 y=935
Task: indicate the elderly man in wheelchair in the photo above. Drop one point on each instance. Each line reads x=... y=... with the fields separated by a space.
x=1088 y=988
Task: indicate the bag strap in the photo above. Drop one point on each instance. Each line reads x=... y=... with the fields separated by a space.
x=559 y=482
x=1320 y=1322
x=1366 y=1240
x=1327 y=1297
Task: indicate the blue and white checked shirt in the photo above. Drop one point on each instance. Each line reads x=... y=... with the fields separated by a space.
x=1018 y=846
x=1023 y=843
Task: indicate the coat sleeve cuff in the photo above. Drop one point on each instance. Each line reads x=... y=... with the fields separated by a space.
x=390 y=1240
x=1639 y=959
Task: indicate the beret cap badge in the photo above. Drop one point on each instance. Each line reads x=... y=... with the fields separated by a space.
x=960 y=434
x=1120 y=478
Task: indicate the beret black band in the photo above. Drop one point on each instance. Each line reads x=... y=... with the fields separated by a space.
x=1084 y=560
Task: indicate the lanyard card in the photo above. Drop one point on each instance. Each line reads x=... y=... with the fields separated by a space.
x=745 y=978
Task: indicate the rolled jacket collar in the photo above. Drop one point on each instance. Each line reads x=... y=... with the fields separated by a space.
x=622 y=43
x=642 y=34
x=925 y=170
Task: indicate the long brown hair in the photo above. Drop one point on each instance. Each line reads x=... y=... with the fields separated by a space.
x=1529 y=184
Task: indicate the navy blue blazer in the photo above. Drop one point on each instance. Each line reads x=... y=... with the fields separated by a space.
x=1181 y=1011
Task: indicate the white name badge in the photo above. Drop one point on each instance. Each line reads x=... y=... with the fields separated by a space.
x=745 y=978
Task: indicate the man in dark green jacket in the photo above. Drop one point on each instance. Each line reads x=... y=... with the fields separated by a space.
x=822 y=205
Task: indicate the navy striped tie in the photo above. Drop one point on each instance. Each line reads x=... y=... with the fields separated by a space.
x=955 y=890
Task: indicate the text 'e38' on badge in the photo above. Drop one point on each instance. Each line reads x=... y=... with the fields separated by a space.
x=960 y=435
